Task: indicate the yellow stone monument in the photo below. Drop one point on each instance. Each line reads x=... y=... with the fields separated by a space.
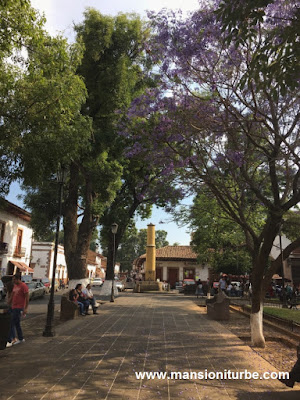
x=150 y=270
x=150 y=284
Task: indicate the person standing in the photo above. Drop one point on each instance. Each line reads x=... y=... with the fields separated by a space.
x=19 y=307
x=229 y=289
x=222 y=284
x=199 y=288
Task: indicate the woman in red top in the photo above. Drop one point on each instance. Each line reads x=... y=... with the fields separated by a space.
x=19 y=306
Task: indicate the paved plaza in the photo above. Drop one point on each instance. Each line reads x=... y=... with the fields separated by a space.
x=96 y=357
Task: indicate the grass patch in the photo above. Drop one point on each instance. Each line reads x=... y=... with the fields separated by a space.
x=283 y=313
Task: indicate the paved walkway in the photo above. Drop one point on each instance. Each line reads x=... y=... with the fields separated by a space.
x=96 y=357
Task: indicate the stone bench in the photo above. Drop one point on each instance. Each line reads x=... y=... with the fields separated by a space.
x=68 y=309
x=218 y=307
x=129 y=285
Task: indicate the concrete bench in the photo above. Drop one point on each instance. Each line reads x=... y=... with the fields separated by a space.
x=129 y=285
x=68 y=309
x=218 y=307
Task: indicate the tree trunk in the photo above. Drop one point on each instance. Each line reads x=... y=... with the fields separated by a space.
x=70 y=222
x=111 y=256
x=256 y=318
x=77 y=239
x=256 y=323
x=260 y=279
x=111 y=241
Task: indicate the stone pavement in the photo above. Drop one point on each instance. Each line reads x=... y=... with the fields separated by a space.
x=96 y=357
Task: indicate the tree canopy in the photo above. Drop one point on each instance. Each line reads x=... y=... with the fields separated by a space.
x=275 y=23
x=40 y=97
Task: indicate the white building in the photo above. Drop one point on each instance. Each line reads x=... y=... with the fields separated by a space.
x=42 y=261
x=175 y=263
x=96 y=265
x=93 y=262
x=15 y=239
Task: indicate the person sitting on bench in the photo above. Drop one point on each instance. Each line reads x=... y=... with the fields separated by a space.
x=73 y=296
x=82 y=299
x=90 y=297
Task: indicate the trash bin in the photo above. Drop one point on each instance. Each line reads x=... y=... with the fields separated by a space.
x=5 y=318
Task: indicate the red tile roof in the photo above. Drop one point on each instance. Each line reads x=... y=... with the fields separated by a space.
x=91 y=258
x=174 y=253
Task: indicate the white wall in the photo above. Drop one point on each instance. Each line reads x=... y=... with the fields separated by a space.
x=91 y=270
x=117 y=269
x=43 y=257
x=200 y=272
x=12 y=224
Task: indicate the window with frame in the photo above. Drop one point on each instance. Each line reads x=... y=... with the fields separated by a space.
x=18 y=249
x=2 y=231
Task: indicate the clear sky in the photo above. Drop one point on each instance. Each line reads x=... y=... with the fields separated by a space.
x=61 y=16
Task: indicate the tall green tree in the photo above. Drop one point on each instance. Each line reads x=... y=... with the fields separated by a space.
x=112 y=69
x=40 y=97
x=102 y=182
x=115 y=67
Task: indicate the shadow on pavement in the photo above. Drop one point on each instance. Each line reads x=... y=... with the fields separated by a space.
x=290 y=394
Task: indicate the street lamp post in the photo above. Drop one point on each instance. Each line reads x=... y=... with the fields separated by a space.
x=114 y=229
x=49 y=329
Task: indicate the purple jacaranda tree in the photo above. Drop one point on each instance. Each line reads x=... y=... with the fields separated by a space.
x=278 y=56
x=236 y=137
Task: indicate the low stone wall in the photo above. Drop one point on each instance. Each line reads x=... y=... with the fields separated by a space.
x=148 y=286
x=68 y=309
